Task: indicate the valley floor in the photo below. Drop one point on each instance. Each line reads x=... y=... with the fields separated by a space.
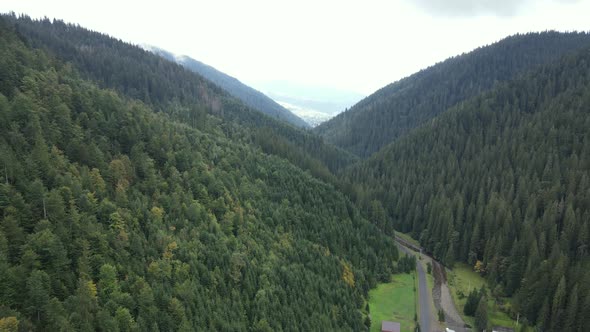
x=394 y=301
x=461 y=280
x=425 y=284
x=446 y=285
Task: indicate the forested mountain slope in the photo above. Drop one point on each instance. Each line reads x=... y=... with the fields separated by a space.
x=402 y=106
x=115 y=217
x=503 y=178
x=181 y=94
x=251 y=97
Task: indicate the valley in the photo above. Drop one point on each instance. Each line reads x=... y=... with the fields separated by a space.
x=315 y=104
x=394 y=301
x=145 y=191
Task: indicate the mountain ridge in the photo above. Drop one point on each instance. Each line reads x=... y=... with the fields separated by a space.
x=137 y=195
x=117 y=214
x=500 y=180
x=183 y=94
x=234 y=86
x=397 y=108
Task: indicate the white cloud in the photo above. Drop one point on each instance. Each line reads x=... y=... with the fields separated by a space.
x=481 y=7
x=354 y=45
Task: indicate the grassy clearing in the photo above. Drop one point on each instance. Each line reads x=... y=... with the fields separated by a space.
x=394 y=301
x=463 y=279
x=408 y=238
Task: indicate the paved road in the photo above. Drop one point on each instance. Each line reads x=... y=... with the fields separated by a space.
x=426 y=315
x=424 y=301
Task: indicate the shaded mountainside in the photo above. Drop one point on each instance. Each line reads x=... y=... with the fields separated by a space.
x=398 y=108
x=115 y=217
x=183 y=95
x=249 y=96
x=502 y=179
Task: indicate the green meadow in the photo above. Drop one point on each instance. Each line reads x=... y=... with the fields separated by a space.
x=394 y=301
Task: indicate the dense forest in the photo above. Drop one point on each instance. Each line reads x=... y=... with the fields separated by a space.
x=502 y=179
x=181 y=94
x=136 y=195
x=400 y=107
x=114 y=216
x=246 y=94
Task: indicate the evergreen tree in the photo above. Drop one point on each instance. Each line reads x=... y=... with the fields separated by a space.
x=481 y=315
x=472 y=302
x=558 y=304
x=38 y=294
x=572 y=310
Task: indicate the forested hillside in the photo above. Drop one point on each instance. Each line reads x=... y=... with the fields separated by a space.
x=251 y=97
x=402 y=106
x=117 y=217
x=502 y=179
x=136 y=195
x=181 y=94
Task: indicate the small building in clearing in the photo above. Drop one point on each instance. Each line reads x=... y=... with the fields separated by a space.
x=390 y=326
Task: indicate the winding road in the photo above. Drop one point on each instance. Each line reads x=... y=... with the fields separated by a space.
x=428 y=322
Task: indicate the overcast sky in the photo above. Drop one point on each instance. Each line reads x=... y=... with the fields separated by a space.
x=355 y=45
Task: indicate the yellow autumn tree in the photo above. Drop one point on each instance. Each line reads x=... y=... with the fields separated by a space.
x=479 y=267
x=347 y=274
x=8 y=324
x=170 y=248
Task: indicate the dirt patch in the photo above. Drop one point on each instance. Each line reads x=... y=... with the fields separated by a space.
x=438 y=280
x=443 y=300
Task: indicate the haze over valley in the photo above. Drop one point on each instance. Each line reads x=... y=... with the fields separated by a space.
x=314 y=104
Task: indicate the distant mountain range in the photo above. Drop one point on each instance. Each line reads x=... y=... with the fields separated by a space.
x=246 y=94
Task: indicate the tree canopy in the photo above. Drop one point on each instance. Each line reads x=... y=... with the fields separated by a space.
x=136 y=195
x=117 y=216
x=501 y=182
